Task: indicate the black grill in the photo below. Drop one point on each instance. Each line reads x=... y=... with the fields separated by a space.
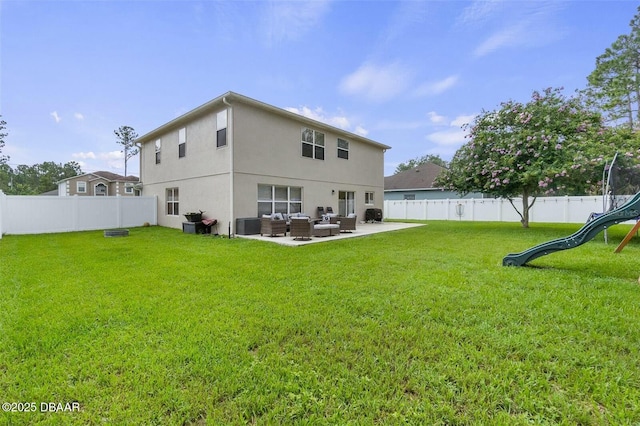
x=371 y=215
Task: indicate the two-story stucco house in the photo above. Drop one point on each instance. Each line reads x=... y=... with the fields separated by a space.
x=99 y=183
x=235 y=157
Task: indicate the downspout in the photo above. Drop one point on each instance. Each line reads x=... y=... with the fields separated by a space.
x=232 y=225
x=139 y=146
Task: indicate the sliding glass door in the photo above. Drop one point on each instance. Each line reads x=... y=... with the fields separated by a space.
x=346 y=203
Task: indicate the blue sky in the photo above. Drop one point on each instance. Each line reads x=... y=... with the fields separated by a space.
x=406 y=74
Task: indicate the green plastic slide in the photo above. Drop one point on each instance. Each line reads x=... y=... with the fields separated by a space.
x=628 y=211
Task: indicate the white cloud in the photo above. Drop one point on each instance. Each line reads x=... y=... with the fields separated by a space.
x=339 y=121
x=436 y=87
x=78 y=116
x=507 y=37
x=55 y=116
x=447 y=137
x=112 y=155
x=84 y=155
x=524 y=24
x=461 y=120
x=479 y=11
x=436 y=118
x=318 y=114
x=377 y=82
x=285 y=20
x=359 y=130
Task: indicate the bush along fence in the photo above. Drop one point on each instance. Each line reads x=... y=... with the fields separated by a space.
x=545 y=209
x=26 y=214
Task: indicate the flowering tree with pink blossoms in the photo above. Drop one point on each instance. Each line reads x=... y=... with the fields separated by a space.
x=525 y=150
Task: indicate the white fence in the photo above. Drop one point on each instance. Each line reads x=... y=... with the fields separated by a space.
x=545 y=209
x=25 y=214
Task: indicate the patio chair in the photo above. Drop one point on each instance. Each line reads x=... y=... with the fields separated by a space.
x=320 y=211
x=348 y=223
x=301 y=228
x=272 y=227
x=329 y=210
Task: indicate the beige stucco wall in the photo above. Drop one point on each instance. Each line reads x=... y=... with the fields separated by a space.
x=267 y=149
x=195 y=194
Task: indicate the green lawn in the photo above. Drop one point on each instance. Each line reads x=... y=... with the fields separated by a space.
x=421 y=326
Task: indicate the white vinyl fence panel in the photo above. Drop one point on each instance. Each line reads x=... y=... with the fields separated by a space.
x=545 y=209
x=22 y=214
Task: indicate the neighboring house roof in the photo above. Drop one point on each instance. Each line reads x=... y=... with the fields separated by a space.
x=111 y=177
x=228 y=99
x=420 y=177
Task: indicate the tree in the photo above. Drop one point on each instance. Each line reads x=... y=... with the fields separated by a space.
x=127 y=138
x=430 y=158
x=36 y=179
x=614 y=85
x=524 y=150
x=3 y=158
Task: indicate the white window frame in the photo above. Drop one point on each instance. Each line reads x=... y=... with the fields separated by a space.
x=95 y=189
x=346 y=203
x=293 y=199
x=182 y=142
x=81 y=187
x=315 y=140
x=158 y=150
x=369 y=198
x=128 y=188
x=172 y=198
x=344 y=149
x=221 y=125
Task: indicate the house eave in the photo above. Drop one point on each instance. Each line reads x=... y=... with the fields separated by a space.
x=231 y=97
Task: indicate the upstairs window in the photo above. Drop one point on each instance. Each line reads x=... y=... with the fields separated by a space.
x=158 y=148
x=221 y=129
x=182 y=142
x=312 y=144
x=343 y=149
x=81 y=187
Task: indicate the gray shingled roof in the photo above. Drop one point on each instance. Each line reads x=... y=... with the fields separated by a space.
x=111 y=177
x=420 y=177
x=115 y=177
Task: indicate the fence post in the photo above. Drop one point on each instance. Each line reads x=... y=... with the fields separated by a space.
x=119 y=211
x=75 y=207
x=3 y=204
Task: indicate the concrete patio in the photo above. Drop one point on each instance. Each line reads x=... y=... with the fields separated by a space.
x=362 y=229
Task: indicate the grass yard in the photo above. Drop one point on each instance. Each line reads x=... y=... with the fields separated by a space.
x=421 y=326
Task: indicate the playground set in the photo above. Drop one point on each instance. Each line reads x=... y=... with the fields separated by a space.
x=597 y=222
